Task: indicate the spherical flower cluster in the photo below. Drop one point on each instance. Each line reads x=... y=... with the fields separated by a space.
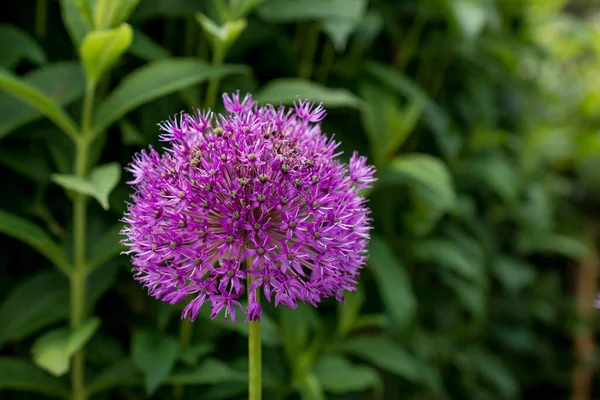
x=250 y=201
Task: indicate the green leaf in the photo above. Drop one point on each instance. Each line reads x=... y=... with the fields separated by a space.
x=191 y=355
x=468 y=17
x=111 y=13
x=122 y=373
x=433 y=115
x=349 y=310
x=30 y=233
x=387 y=124
x=339 y=18
x=498 y=173
x=156 y=80
x=338 y=375
x=53 y=350
x=530 y=242
x=155 y=356
x=514 y=274
x=448 y=254
x=287 y=90
x=310 y=388
x=147 y=49
x=18 y=45
x=99 y=184
x=392 y=281
x=62 y=82
x=106 y=247
x=221 y=37
x=101 y=49
x=422 y=170
x=38 y=301
x=209 y=372
x=16 y=374
x=74 y=18
x=385 y=354
x=36 y=98
x=28 y=162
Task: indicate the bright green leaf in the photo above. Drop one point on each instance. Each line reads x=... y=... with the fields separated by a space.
x=53 y=350
x=156 y=80
x=18 y=45
x=155 y=356
x=385 y=354
x=38 y=301
x=392 y=281
x=111 y=13
x=101 y=49
x=338 y=375
x=287 y=90
x=16 y=374
x=37 y=99
x=210 y=371
x=30 y=233
x=99 y=184
x=221 y=37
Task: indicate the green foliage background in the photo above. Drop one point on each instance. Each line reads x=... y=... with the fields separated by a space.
x=482 y=117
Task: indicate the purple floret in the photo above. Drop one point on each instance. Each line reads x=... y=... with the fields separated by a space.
x=254 y=195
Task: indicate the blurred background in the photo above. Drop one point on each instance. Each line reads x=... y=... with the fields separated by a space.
x=482 y=117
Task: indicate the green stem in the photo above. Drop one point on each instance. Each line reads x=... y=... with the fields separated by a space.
x=213 y=84
x=308 y=53
x=254 y=349
x=326 y=62
x=79 y=273
x=41 y=8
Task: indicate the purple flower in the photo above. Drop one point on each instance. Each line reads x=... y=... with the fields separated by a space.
x=251 y=200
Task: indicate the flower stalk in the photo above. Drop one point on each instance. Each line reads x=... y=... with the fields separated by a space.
x=79 y=274
x=254 y=348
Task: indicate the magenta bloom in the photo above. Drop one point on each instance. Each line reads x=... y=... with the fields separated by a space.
x=255 y=194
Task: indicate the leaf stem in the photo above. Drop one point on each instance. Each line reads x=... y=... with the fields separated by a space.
x=213 y=84
x=41 y=8
x=308 y=52
x=254 y=349
x=79 y=273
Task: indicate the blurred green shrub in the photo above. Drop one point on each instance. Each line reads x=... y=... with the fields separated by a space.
x=482 y=117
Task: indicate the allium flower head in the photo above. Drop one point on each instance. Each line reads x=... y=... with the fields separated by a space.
x=251 y=200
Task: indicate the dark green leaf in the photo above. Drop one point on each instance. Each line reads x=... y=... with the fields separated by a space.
x=210 y=371
x=147 y=49
x=153 y=81
x=28 y=232
x=155 y=356
x=19 y=375
x=338 y=375
x=35 y=303
x=18 y=45
x=392 y=281
x=106 y=247
x=122 y=373
x=385 y=354
x=287 y=90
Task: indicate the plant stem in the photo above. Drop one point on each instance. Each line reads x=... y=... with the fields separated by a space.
x=326 y=62
x=254 y=349
x=41 y=8
x=308 y=53
x=213 y=84
x=79 y=273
